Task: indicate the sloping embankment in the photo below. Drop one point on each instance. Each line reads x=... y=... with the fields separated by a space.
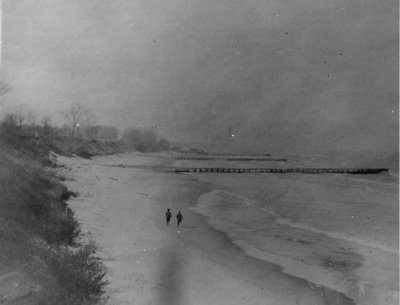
x=41 y=261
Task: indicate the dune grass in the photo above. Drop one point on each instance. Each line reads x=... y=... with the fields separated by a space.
x=39 y=235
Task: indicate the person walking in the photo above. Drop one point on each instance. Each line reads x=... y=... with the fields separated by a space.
x=168 y=216
x=179 y=218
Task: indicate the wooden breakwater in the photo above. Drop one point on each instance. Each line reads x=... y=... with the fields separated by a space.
x=227 y=159
x=354 y=171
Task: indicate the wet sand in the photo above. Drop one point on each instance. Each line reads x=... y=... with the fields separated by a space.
x=122 y=208
x=338 y=231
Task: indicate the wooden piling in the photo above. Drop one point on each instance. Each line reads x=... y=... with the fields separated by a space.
x=361 y=171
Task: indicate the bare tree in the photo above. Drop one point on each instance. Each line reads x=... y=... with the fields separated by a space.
x=89 y=119
x=46 y=123
x=20 y=118
x=74 y=116
x=30 y=118
x=21 y=112
x=9 y=123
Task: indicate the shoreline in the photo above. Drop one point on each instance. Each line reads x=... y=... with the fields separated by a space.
x=195 y=248
x=314 y=276
x=259 y=264
x=361 y=283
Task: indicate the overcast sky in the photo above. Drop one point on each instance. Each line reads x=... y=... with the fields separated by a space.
x=281 y=75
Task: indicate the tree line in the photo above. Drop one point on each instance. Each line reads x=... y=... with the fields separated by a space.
x=80 y=122
x=144 y=140
x=78 y=125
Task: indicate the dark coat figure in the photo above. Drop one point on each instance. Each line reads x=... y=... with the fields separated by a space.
x=179 y=218
x=168 y=216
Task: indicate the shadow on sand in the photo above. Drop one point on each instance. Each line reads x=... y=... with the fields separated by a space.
x=171 y=280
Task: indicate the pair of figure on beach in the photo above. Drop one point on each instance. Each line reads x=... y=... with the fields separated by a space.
x=168 y=216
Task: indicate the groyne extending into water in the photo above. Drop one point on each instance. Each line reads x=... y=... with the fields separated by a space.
x=228 y=159
x=354 y=171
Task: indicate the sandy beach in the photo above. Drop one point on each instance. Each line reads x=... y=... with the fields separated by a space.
x=251 y=239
